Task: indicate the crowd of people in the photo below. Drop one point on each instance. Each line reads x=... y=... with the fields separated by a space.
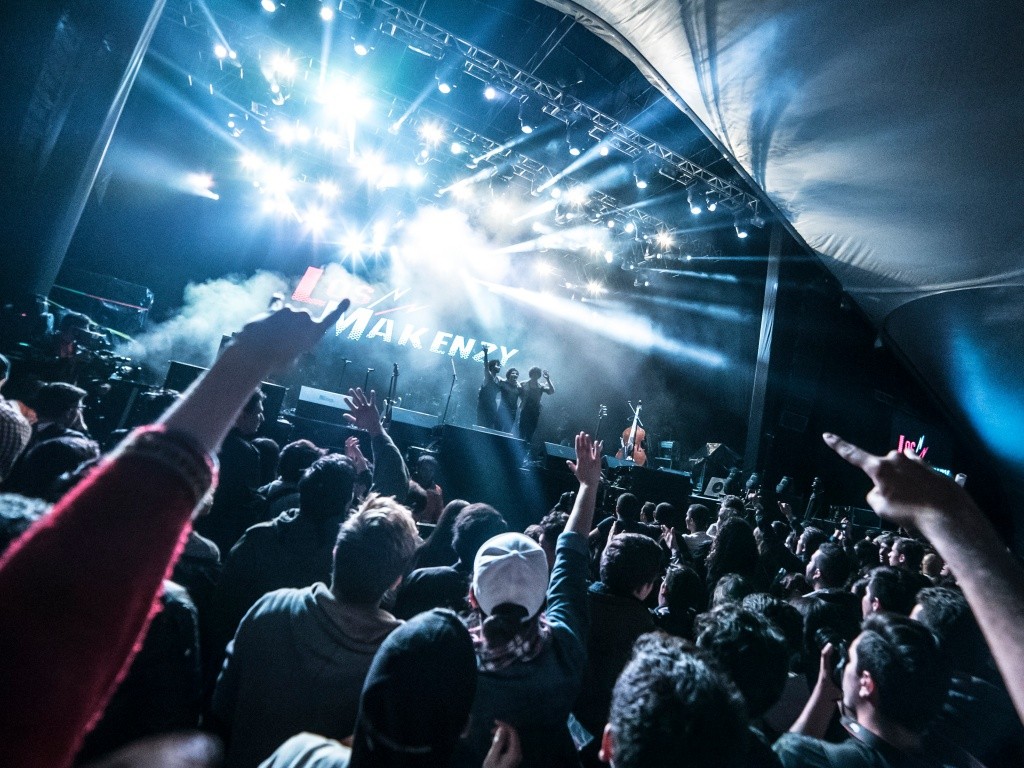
x=199 y=597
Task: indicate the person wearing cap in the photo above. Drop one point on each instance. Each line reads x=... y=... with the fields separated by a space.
x=530 y=661
x=427 y=660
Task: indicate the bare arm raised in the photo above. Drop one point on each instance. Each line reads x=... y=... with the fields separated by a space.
x=906 y=491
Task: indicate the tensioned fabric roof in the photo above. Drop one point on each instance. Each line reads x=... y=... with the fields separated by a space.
x=890 y=136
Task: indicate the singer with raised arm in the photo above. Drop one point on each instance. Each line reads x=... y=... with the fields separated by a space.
x=532 y=391
x=487 y=399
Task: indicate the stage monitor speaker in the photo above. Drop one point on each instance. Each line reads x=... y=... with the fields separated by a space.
x=555 y=456
x=321 y=405
x=181 y=375
x=715 y=487
x=659 y=485
x=410 y=428
x=484 y=465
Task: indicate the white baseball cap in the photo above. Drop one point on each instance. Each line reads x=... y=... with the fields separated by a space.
x=510 y=568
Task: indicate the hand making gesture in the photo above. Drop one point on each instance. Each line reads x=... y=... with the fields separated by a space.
x=363 y=413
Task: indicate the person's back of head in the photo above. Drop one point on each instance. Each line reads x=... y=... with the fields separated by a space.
x=667 y=515
x=947 y=614
x=17 y=514
x=671 y=707
x=474 y=525
x=810 y=539
x=700 y=515
x=630 y=564
x=552 y=525
x=866 y=553
x=731 y=588
x=785 y=617
x=888 y=589
x=427 y=660
x=325 y=489
x=374 y=548
x=627 y=507
x=44 y=464
x=910 y=677
x=750 y=649
x=296 y=457
x=54 y=401
x=683 y=591
x=829 y=567
x=734 y=550
x=270 y=456
x=733 y=505
x=510 y=581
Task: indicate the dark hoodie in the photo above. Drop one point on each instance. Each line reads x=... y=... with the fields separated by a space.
x=297 y=663
x=414 y=705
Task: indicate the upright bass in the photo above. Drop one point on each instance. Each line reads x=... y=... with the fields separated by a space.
x=633 y=440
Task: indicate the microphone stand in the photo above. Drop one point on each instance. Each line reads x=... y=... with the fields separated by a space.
x=389 y=401
x=366 y=380
x=444 y=416
x=341 y=379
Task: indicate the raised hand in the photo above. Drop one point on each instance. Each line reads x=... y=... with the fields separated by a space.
x=906 y=490
x=355 y=454
x=587 y=466
x=363 y=413
x=505 y=751
x=276 y=339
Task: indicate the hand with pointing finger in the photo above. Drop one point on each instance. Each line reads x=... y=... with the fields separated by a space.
x=907 y=491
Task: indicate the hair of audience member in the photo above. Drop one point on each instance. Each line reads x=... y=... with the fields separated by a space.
x=325 y=489
x=296 y=457
x=784 y=616
x=946 y=613
x=552 y=526
x=270 y=456
x=684 y=590
x=629 y=562
x=534 y=532
x=255 y=400
x=813 y=538
x=912 y=551
x=910 y=675
x=731 y=588
x=5 y=367
x=150 y=406
x=374 y=548
x=503 y=624
x=671 y=705
x=17 y=513
x=475 y=524
x=647 y=512
x=627 y=507
x=45 y=462
x=438 y=545
x=668 y=515
x=702 y=516
x=828 y=618
x=866 y=553
x=734 y=550
x=891 y=588
x=750 y=649
x=833 y=564
x=781 y=530
x=790 y=586
x=733 y=503
x=56 y=398
x=428 y=659
x=932 y=565
x=565 y=502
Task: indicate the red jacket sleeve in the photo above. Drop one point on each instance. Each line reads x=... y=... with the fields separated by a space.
x=78 y=588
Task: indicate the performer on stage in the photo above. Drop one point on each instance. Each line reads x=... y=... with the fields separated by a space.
x=532 y=391
x=511 y=390
x=487 y=399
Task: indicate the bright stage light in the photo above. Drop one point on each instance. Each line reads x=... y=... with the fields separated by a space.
x=431 y=132
x=641 y=183
x=629 y=228
x=251 y=162
x=711 y=202
x=326 y=13
x=201 y=184
x=490 y=93
x=594 y=288
x=556 y=192
x=268 y=5
x=282 y=65
x=611 y=223
x=574 y=151
x=353 y=245
x=328 y=190
x=461 y=191
x=457 y=148
x=603 y=150
x=380 y=232
x=609 y=257
x=220 y=51
x=664 y=240
x=543 y=268
x=444 y=86
x=694 y=201
x=343 y=99
x=576 y=196
x=316 y=220
x=414 y=177
x=277 y=180
x=527 y=128
x=360 y=49
x=499 y=209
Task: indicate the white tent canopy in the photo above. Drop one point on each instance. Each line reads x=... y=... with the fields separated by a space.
x=890 y=136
